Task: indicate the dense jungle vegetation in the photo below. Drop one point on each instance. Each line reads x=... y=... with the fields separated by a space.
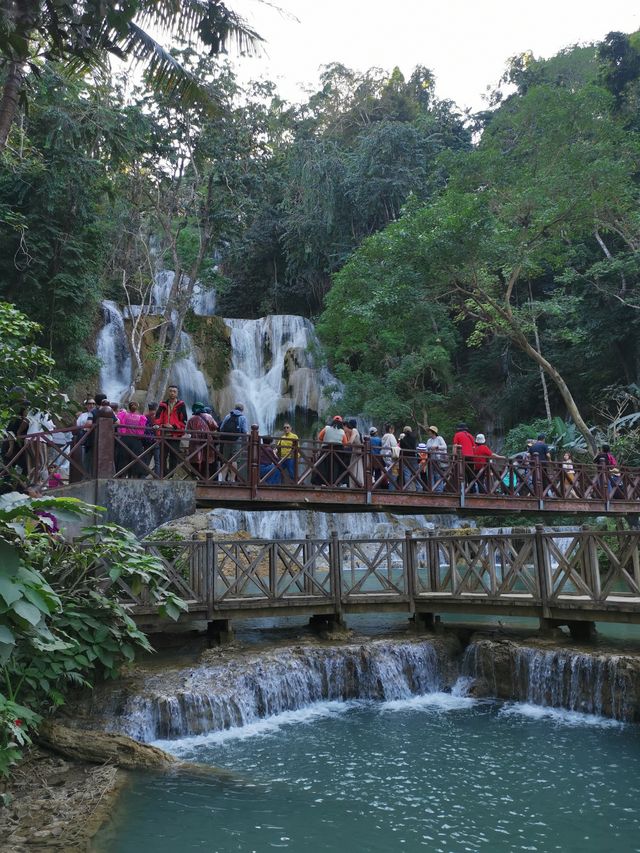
x=479 y=266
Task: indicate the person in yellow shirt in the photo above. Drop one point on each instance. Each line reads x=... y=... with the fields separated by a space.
x=287 y=450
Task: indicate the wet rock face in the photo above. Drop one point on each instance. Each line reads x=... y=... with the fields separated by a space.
x=592 y=682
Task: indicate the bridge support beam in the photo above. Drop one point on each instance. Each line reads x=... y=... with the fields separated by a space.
x=581 y=631
x=327 y=623
x=421 y=622
x=220 y=631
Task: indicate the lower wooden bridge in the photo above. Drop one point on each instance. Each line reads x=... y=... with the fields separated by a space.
x=573 y=579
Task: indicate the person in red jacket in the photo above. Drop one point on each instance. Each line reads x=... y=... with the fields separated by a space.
x=463 y=440
x=171 y=418
x=481 y=456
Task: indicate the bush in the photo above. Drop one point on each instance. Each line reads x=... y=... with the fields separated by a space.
x=61 y=620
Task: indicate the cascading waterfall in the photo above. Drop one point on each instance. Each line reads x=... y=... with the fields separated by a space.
x=112 y=350
x=216 y=697
x=186 y=374
x=203 y=299
x=296 y=524
x=587 y=682
x=273 y=371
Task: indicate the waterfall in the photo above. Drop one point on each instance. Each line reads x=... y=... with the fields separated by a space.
x=186 y=374
x=273 y=371
x=212 y=697
x=587 y=682
x=113 y=353
x=296 y=524
x=203 y=299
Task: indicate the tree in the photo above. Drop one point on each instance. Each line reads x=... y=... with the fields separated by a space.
x=25 y=369
x=84 y=33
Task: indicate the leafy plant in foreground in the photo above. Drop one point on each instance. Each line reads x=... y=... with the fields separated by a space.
x=62 y=622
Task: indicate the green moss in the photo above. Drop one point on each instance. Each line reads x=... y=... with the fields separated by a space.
x=213 y=339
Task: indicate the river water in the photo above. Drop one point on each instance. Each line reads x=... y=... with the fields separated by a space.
x=439 y=772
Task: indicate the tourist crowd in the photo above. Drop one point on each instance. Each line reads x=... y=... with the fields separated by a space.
x=164 y=437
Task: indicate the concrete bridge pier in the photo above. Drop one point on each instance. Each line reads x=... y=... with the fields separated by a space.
x=327 y=623
x=220 y=631
x=421 y=622
x=581 y=631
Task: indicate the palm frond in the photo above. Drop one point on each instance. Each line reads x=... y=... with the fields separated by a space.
x=164 y=72
x=210 y=21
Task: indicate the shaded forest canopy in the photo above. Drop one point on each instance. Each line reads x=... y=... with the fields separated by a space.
x=458 y=265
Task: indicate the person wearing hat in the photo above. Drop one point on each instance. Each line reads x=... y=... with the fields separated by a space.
x=377 y=465
x=423 y=466
x=437 y=447
x=481 y=456
x=331 y=466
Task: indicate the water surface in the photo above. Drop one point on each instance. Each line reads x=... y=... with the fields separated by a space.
x=438 y=772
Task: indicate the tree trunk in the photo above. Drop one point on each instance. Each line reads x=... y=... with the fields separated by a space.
x=563 y=388
x=9 y=100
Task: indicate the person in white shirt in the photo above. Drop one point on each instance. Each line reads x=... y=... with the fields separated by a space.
x=437 y=450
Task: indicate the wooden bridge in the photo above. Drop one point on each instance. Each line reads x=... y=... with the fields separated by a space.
x=233 y=471
x=573 y=579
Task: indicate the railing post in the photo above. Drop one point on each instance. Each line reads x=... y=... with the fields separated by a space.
x=296 y=461
x=309 y=574
x=540 y=561
x=367 y=466
x=210 y=573
x=537 y=481
x=460 y=473
x=254 y=460
x=336 y=574
x=593 y=567
x=409 y=569
x=433 y=557
x=104 y=447
x=273 y=570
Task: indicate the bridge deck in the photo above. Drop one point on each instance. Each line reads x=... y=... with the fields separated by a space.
x=237 y=471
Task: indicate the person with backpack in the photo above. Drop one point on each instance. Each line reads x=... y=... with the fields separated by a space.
x=233 y=427
x=605 y=457
x=171 y=419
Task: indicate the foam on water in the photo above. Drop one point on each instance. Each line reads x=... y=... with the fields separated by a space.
x=557 y=715
x=437 y=701
x=257 y=728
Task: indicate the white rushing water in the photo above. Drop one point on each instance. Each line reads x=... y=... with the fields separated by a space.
x=589 y=683
x=273 y=371
x=112 y=350
x=223 y=696
x=296 y=524
x=186 y=374
x=203 y=299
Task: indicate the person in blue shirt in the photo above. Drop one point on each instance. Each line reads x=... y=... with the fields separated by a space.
x=376 y=453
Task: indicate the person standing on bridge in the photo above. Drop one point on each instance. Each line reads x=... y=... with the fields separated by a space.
x=437 y=450
x=287 y=450
x=464 y=441
x=171 y=419
x=232 y=428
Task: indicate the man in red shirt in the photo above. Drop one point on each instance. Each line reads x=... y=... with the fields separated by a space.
x=463 y=440
x=171 y=418
x=481 y=456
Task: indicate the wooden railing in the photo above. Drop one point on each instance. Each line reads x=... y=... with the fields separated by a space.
x=236 y=469
x=589 y=574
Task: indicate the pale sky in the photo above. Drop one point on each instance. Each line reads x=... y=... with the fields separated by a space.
x=465 y=43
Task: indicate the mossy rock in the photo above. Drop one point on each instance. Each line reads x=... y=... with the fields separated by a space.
x=213 y=339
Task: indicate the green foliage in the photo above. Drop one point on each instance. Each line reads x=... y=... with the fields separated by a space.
x=23 y=365
x=58 y=627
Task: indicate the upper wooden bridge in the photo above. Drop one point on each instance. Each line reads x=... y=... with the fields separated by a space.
x=232 y=471
x=574 y=578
